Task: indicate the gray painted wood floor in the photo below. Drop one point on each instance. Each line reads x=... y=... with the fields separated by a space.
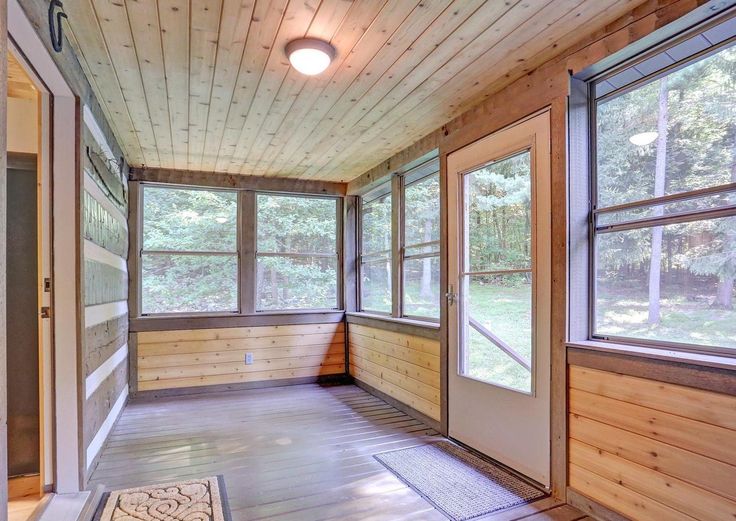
x=288 y=453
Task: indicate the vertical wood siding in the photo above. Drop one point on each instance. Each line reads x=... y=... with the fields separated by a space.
x=651 y=450
x=202 y=357
x=405 y=367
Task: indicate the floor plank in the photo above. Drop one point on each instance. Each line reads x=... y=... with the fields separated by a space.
x=21 y=508
x=290 y=453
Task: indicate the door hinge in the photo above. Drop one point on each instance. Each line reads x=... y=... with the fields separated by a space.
x=47 y=285
x=45 y=312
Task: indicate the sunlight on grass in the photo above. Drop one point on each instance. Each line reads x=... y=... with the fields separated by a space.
x=692 y=321
x=506 y=311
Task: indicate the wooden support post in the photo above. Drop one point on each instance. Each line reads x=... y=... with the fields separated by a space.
x=248 y=239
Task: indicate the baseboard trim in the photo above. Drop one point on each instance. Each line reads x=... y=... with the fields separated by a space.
x=406 y=409
x=591 y=507
x=337 y=379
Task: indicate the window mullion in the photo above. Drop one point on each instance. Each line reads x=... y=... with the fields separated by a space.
x=247 y=222
x=397 y=245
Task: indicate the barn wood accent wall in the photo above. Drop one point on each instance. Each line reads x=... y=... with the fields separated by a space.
x=104 y=340
x=209 y=357
x=105 y=288
x=103 y=283
x=403 y=366
x=76 y=74
x=501 y=105
x=652 y=450
x=103 y=229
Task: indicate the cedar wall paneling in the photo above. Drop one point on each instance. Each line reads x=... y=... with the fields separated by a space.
x=652 y=450
x=405 y=367
x=192 y=358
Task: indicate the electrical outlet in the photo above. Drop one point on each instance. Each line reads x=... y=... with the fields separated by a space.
x=248 y=358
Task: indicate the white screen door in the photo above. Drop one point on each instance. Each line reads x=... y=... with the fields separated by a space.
x=499 y=313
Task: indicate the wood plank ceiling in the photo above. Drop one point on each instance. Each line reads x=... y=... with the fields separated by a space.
x=19 y=84
x=205 y=84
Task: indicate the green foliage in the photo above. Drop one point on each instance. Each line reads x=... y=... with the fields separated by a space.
x=302 y=225
x=180 y=220
x=698 y=258
x=499 y=215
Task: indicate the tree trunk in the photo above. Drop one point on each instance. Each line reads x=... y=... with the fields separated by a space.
x=425 y=291
x=274 y=287
x=724 y=294
x=660 y=170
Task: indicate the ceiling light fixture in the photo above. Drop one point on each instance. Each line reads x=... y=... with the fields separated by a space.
x=643 y=138
x=310 y=56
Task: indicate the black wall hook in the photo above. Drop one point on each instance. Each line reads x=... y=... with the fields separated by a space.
x=55 y=27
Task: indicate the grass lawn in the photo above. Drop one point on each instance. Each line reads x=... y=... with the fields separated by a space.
x=624 y=312
x=506 y=312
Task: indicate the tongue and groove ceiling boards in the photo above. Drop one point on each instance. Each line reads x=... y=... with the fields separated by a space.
x=205 y=84
x=19 y=84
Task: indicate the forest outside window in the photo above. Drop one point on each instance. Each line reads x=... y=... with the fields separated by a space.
x=189 y=254
x=375 y=259
x=400 y=244
x=297 y=259
x=664 y=200
x=421 y=252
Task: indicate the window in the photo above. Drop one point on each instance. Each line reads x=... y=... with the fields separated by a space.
x=297 y=260
x=189 y=256
x=417 y=246
x=497 y=280
x=421 y=252
x=375 y=259
x=663 y=220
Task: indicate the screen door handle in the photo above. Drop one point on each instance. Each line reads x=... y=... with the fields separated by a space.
x=451 y=296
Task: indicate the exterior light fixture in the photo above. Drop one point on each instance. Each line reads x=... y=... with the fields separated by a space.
x=310 y=56
x=643 y=138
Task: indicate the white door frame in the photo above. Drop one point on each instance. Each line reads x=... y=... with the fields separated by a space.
x=65 y=199
x=519 y=435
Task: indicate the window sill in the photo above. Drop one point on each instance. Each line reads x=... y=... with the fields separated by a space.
x=405 y=321
x=161 y=316
x=669 y=355
x=405 y=326
x=212 y=321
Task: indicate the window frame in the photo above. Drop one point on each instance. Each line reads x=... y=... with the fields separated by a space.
x=246 y=245
x=377 y=256
x=394 y=187
x=338 y=255
x=416 y=175
x=582 y=196
x=142 y=251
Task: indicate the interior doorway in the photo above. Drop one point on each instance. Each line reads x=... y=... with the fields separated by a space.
x=499 y=317
x=28 y=292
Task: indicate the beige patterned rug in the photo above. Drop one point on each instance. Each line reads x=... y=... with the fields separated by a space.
x=197 y=499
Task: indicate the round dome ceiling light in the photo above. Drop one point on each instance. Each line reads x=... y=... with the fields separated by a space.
x=309 y=55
